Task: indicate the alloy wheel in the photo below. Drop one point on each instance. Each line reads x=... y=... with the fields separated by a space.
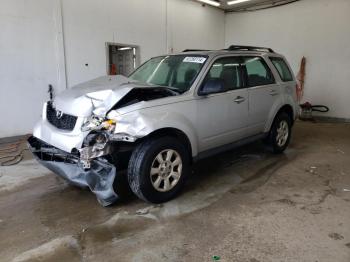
x=166 y=170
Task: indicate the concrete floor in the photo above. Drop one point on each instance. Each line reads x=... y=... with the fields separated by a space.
x=244 y=205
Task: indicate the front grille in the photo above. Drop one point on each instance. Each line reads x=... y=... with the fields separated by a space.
x=61 y=121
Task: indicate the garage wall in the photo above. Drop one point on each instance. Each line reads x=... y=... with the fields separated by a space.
x=89 y=24
x=316 y=29
x=157 y=26
x=49 y=42
x=28 y=61
x=192 y=26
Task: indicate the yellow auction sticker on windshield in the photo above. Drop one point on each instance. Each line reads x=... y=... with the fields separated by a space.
x=195 y=59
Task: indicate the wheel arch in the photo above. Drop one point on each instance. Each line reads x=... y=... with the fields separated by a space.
x=288 y=109
x=173 y=132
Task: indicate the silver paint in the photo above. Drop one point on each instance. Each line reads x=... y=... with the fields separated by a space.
x=207 y=121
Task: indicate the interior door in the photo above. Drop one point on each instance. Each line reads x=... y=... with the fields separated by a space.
x=123 y=59
x=222 y=117
x=263 y=92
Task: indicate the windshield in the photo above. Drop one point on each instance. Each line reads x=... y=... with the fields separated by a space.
x=176 y=71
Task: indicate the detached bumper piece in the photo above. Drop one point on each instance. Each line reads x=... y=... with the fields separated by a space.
x=99 y=177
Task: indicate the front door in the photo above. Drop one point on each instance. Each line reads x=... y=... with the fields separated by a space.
x=222 y=117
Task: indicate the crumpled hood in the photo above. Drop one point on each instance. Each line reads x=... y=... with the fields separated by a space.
x=98 y=95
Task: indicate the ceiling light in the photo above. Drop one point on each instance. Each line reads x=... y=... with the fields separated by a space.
x=124 y=48
x=210 y=2
x=234 y=2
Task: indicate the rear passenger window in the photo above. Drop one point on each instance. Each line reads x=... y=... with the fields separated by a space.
x=282 y=69
x=258 y=73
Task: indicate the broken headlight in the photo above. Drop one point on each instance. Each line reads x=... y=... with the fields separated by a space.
x=98 y=123
x=96 y=141
x=95 y=145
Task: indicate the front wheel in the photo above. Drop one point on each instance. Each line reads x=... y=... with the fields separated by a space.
x=280 y=133
x=158 y=168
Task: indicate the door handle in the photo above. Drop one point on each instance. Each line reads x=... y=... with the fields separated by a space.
x=273 y=92
x=239 y=99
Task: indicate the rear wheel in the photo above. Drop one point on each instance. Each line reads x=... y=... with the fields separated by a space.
x=280 y=133
x=158 y=168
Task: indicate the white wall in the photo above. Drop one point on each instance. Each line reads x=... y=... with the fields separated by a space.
x=157 y=26
x=28 y=61
x=192 y=26
x=316 y=29
x=34 y=53
x=49 y=42
x=89 y=24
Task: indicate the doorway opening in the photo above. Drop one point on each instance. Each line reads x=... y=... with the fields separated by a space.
x=122 y=59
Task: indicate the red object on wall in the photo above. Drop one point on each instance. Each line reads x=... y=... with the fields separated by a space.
x=113 y=69
x=301 y=79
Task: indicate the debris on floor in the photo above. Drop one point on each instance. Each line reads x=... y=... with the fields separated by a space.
x=340 y=151
x=146 y=210
x=11 y=153
x=312 y=170
x=336 y=236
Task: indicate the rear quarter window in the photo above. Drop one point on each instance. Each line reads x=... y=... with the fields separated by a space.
x=282 y=68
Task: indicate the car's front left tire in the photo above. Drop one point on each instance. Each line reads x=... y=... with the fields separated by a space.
x=158 y=168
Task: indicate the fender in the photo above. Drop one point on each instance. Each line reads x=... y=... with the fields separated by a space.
x=281 y=102
x=141 y=123
x=292 y=101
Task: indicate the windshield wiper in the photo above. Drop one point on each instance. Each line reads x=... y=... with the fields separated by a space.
x=173 y=89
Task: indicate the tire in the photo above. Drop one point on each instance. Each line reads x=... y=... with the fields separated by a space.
x=167 y=177
x=120 y=183
x=280 y=133
x=121 y=186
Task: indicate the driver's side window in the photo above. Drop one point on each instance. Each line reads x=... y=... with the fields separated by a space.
x=228 y=71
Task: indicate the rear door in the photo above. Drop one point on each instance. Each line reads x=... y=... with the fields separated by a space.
x=222 y=117
x=263 y=92
x=288 y=83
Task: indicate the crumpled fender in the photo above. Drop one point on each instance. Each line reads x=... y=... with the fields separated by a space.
x=142 y=123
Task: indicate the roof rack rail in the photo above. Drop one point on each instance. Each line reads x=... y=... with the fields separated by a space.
x=249 y=48
x=193 y=50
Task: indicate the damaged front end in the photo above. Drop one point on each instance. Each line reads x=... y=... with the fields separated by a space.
x=84 y=168
x=84 y=139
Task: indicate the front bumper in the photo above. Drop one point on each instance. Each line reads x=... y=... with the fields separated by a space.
x=99 y=177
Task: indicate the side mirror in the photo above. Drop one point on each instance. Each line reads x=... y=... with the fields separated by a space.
x=212 y=86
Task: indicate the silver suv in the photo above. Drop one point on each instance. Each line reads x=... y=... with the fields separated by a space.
x=170 y=112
